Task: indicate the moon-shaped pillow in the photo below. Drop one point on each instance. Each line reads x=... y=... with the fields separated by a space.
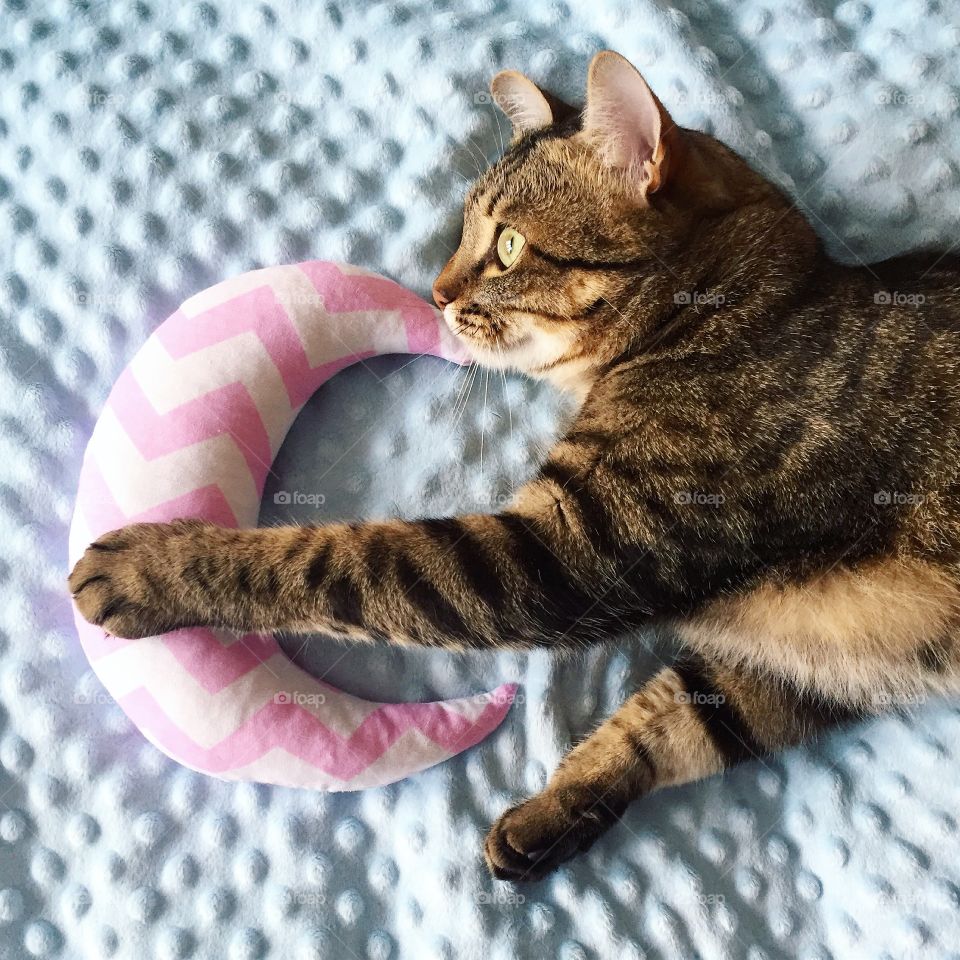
x=190 y=430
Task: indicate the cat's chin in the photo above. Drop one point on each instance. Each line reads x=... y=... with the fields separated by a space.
x=499 y=357
x=573 y=378
x=523 y=355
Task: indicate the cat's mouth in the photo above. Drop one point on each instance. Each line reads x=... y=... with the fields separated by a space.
x=481 y=330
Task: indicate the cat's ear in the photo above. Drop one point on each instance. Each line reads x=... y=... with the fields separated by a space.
x=627 y=123
x=527 y=106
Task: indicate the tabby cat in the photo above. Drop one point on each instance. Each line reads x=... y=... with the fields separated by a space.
x=764 y=458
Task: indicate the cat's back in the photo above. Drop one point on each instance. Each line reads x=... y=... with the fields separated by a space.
x=889 y=333
x=914 y=297
x=844 y=344
x=847 y=388
x=873 y=351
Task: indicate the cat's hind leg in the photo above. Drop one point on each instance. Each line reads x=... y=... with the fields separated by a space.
x=691 y=720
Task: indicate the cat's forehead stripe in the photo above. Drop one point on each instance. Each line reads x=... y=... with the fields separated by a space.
x=513 y=160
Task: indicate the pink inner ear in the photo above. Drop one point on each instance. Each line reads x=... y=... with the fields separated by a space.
x=647 y=128
x=622 y=114
x=521 y=100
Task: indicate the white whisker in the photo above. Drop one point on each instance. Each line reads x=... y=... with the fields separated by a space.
x=496 y=116
x=483 y=156
x=483 y=414
x=506 y=394
x=473 y=158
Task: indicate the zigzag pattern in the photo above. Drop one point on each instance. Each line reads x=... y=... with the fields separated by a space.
x=228 y=410
x=191 y=429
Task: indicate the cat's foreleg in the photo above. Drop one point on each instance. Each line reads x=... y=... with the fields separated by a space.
x=477 y=581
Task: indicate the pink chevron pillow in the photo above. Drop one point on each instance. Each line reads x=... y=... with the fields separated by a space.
x=191 y=429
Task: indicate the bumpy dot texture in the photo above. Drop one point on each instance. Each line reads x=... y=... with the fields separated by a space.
x=149 y=148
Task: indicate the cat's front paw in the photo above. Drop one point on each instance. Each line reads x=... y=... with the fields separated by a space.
x=535 y=837
x=127 y=583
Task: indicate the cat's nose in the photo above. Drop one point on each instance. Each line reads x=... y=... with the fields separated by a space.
x=442 y=295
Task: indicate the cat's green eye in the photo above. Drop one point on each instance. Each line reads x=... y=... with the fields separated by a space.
x=509 y=245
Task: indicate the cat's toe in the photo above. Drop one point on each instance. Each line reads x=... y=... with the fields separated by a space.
x=506 y=861
x=113 y=587
x=534 y=838
x=104 y=602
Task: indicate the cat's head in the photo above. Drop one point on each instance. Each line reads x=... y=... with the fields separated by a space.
x=561 y=233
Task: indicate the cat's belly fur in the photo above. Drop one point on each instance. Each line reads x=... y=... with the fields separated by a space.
x=847 y=633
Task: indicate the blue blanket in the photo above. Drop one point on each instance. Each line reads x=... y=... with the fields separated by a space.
x=148 y=149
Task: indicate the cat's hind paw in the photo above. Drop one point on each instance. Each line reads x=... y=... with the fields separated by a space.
x=532 y=839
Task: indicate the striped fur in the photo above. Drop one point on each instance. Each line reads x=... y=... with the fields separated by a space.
x=765 y=458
